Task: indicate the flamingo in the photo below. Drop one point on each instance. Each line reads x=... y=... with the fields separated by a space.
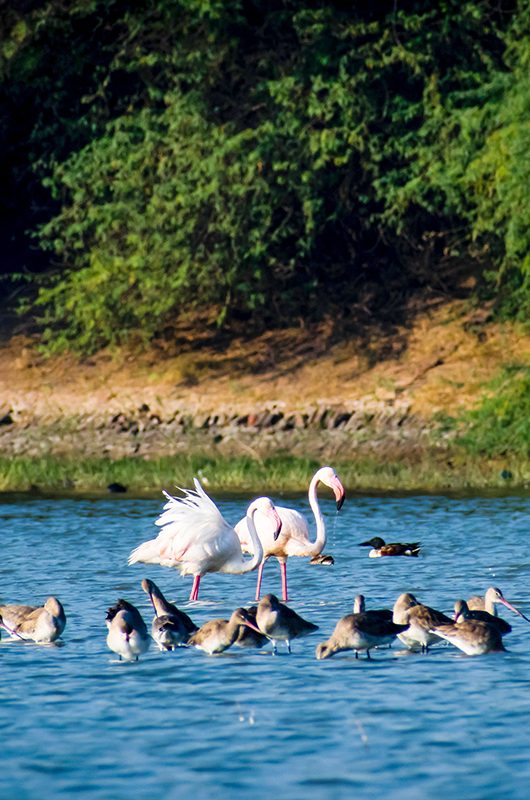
x=294 y=539
x=196 y=539
x=42 y=624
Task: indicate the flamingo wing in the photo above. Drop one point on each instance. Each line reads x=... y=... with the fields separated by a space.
x=194 y=535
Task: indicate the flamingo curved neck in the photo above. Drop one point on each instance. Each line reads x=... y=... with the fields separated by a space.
x=257 y=558
x=320 y=541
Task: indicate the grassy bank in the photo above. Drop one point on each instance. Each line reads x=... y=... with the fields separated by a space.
x=456 y=471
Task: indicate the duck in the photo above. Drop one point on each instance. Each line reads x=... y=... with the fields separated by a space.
x=218 y=635
x=380 y=549
x=421 y=621
x=362 y=630
x=127 y=632
x=281 y=623
x=171 y=627
x=40 y=624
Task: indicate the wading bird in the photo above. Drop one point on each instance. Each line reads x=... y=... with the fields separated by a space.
x=421 y=621
x=279 y=622
x=196 y=539
x=361 y=630
x=464 y=614
x=489 y=602
x=218 y=635
x=127 y=632
x=294 y=539
x=474 y=637
x=171 y=626
x=41 y=624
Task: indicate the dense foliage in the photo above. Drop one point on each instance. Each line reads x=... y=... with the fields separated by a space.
x=500 y=425
x=265 y=157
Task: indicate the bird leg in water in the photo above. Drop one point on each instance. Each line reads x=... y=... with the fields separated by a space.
x=260 y=576
x=195 y=588
x=283 y=568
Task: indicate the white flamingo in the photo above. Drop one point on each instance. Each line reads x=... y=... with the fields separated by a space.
x=294 y=538
x=196 y=539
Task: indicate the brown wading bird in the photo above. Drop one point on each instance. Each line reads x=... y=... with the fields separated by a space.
x=489 y=602
x=421 y=621
x=279 y=622
x=294 y=538
x=251 y=637
x=380 y=549
x=171 y=627
x=127 y=632
x=361 y=630
x=196 y=538
x=463 y=613
x=220 y=634
x=41 y=624
x=473 y=637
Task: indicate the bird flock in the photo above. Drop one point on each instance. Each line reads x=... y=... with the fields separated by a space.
x=195 y=538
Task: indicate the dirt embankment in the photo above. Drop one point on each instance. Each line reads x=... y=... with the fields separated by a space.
x=306 y=391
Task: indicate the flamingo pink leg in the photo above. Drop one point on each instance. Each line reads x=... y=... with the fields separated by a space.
x=283 y=568
x=260 y=577
x=195 y=588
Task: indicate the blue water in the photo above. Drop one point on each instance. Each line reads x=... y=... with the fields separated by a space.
x=74 y=721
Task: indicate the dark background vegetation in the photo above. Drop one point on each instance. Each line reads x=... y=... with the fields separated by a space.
x=267 y=159
x=261 y=162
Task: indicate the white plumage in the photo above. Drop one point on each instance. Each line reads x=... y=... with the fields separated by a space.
x=294 y=537
x=196 y=539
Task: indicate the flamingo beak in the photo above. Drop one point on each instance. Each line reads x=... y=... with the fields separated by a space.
x=512 y=608
x=340 y=494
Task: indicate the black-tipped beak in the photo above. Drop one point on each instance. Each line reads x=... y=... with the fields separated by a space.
x=278 y=530
x=340 y=502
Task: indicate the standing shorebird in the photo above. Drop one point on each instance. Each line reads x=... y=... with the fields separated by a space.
x=41 y=624
x=218 y=635
x=171 y=627
x=380 y=549
x=279 y=622
x=489 y=602
x=294 y=538
x=361 y=630
x=474 y=637
x=421 y=621
x=196 y=539
x=464 y=613
x=127 y=632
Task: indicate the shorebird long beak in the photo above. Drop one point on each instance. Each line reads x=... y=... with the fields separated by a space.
x=512 y=608
x=254 y=627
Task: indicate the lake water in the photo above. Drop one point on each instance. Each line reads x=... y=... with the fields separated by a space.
x=75 y=721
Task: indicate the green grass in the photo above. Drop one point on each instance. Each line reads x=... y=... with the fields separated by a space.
x=453 y=470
